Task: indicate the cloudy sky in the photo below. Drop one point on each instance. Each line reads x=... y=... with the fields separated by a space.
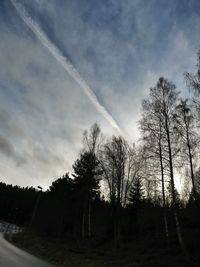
x=65 y=64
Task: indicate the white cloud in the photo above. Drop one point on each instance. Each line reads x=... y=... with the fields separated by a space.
x=46 y=119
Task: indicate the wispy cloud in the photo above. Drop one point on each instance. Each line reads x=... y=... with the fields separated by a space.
x=7 y=148
x=64 y=62
x=120 y=48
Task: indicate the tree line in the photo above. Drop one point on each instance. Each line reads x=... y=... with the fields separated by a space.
x=120 y=191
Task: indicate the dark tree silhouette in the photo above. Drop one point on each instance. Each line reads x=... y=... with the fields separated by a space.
x=185 y=125
x=136 y=194
x=164 y=99
x=136 y=199
x=86 y=179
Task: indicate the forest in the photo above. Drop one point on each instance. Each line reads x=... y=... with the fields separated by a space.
x=123 y=193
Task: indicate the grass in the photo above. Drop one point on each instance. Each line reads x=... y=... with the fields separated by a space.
x=149 y=252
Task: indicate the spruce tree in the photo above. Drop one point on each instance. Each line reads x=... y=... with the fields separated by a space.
x=86 y=180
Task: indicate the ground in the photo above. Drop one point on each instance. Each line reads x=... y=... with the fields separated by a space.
x=140 y=253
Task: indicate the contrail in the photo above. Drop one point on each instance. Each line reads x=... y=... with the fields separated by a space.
x=63 y=61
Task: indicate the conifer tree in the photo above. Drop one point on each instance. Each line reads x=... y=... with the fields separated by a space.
x=86 y=180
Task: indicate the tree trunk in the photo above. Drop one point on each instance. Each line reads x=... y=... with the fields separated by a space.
x=191 y=167
x=117 y=226
x=178 y=229
x=166 y=228
x=83 y=224
x=89 y=218
x=163 y=193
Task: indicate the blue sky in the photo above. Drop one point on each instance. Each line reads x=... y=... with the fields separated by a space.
x=118 y=48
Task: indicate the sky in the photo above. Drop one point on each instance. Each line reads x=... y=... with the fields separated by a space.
x=66 y=64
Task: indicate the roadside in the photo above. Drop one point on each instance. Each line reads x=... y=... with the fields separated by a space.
x=70 y=254
x=12 y=256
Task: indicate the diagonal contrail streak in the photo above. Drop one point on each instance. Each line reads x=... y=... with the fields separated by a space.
x=63 y=61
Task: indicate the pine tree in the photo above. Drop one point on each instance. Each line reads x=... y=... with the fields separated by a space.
x=136 y=194
x=86 y=180
x=135 y=198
